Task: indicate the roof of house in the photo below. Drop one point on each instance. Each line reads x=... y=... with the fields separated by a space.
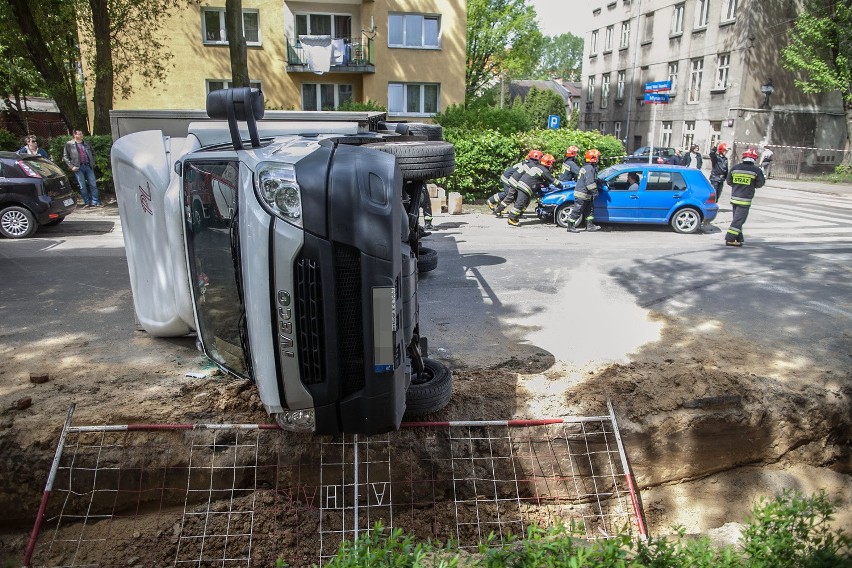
x=35 y=104
x=521 y=88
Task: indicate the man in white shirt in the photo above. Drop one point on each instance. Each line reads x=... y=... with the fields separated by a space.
x=766 y=161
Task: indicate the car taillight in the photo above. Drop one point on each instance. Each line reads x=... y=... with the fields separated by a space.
x=711 y=199
x=25 y=167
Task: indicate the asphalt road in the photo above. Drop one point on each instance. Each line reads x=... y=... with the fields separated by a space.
x=502 y=292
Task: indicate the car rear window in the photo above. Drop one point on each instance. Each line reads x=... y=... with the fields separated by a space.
x=44 y=167
x=665 y=181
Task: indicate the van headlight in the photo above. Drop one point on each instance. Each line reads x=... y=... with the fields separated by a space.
x=277 y=187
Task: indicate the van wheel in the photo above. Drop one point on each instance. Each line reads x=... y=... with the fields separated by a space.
x=420 y=160
x=432 y=132
x=430 y=391
x=427 y=259
x=17 y=223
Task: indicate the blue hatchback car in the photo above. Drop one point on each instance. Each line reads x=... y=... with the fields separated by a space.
x=668 y=195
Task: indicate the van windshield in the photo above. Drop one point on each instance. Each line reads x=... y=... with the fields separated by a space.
x=209 y=199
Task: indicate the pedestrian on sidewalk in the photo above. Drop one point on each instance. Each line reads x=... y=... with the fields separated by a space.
x=766 y=162
x=31 y=148
x=718 y=169
x=80 y=158
x=743 y=179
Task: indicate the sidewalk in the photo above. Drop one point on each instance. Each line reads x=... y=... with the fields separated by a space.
x=841 y=189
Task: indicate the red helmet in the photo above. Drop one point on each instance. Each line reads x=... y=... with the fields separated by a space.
x=547 y=160
x=535 y=155
x=750 y=154
x=722 y=148
x=593 y=155
x=571 y=151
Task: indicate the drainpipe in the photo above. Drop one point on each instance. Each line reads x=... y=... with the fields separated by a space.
x=632 y=79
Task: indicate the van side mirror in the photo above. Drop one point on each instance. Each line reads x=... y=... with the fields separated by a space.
x=240 y=104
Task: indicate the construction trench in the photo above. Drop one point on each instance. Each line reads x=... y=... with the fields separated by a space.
x=703 y=442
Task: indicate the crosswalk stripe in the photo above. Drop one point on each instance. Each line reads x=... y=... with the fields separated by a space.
x=838 y=201
x=798 y=231
x=813 y=244
x=789 y=213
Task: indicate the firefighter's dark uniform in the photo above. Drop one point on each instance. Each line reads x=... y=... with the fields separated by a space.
x=743 y=179
x=506 y=180
x=536 y=176
x=718 y=172
x=512 y=193
x=570 y=170
x=584 y=194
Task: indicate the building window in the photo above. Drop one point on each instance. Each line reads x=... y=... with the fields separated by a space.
x=648 y=34
x=666 y=135
x=715 y=133
x=696 y=70
x=604 y=90
x=590 y=95
x=218 y=84
x=619 y=85
x=616 y=130
x=602 y=127
x=677 y=19
x=688 y=133
x=338 y=26
x=324 y=96
x=413 y=98
x=702 y=12
x=729 y=10
x=673 y=66
x=594 y=43
x=414 y=30
x=625 y=35
x=608 y=39
x=723 y=63
x=213 y=30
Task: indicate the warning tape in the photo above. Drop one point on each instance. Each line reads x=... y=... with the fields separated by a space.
x=790 y=147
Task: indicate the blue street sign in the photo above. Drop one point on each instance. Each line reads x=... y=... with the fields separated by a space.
x=656 y=99
x=658 y=86
x=553 y=121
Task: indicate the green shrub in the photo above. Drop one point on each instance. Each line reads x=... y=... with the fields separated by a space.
x=506 y=120
x=356 y=106
x=9 y=142
x=101 y=144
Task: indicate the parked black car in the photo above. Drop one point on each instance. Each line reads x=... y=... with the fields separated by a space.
x=661 y=155
x=33 y=192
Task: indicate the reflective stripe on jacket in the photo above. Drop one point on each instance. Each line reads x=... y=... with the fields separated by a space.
x=743 y=179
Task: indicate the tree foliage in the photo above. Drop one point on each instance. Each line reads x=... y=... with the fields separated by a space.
x=562 y=57
x=542 y=103
x=502 y=38
x=821 y=48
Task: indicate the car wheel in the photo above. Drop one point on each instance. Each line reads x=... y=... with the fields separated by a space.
x=686 y=220
x=54 y=222
x=17 y=223
x=427 y=259
x=420 y=160
x=430 y=391
x=562 y=213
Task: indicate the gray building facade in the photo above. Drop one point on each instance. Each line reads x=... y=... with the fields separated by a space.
x=723 y=58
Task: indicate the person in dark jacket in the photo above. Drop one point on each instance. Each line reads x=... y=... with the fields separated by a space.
x=743 y=179
x=584 y=194
x=570 y=169
x=507 y=179
x=536 y=177
x=692 y=159
x=80 y=159
x=676 y=159
x=718 y=168
x=31 y=148
x=533 y=157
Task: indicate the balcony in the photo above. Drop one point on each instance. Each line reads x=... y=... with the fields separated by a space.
x=344 y=56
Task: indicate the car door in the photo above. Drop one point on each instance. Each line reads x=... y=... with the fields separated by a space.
x=616 y=203
x=660 y=192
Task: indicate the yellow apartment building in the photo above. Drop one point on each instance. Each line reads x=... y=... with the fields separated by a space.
x=407 y=55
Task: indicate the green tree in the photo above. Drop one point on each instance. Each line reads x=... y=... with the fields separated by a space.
x=562 y=57
x=541 y=103
x=502 y=39
x=820 y=48
x=18 y=78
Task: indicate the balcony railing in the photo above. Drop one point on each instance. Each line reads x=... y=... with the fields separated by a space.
x=345 y=56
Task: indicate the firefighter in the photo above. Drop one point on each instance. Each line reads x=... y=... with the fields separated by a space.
x=719 y=168
x=743 y=179
x=506 y=180
x=570 y=169
x=536 y=176
x=584 y=194
x=533 y=158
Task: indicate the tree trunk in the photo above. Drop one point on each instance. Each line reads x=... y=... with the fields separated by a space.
x=103 y=71
x=57 y=82
x=236 y=43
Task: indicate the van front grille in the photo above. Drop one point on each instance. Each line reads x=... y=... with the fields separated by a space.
x=347 y=285
x=308 y=304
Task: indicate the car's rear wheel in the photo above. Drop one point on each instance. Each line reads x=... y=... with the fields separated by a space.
x=430 y=391
x=686 y=220
x=562 y=213
x=17 y=223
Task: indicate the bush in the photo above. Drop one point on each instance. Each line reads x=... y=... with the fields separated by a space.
x=9 y=142
x=355 y=106
x=102 y=145
x=506 y=120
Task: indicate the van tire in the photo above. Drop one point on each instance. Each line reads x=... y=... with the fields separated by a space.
x=420 y=160
x=431 y=392
x=427 y=259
